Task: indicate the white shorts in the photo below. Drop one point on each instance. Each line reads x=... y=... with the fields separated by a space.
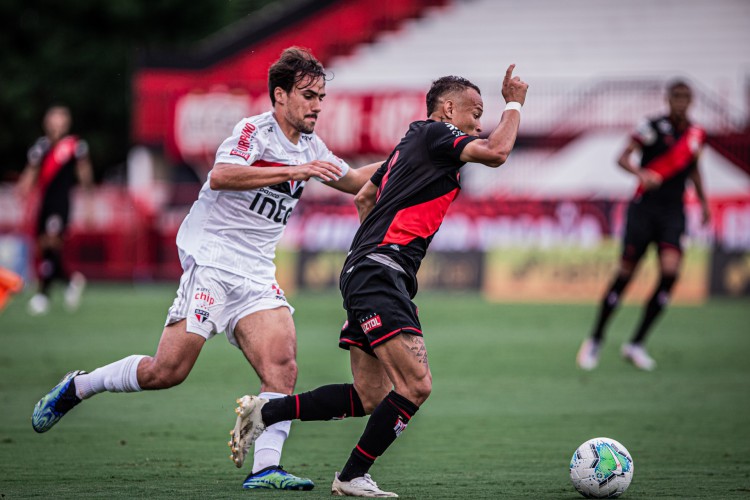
x=213 y=300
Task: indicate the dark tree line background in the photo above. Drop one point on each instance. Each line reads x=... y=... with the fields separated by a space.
x=82 y=53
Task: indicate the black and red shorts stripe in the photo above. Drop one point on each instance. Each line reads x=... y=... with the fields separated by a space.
x=378 y=306
x=648 y=224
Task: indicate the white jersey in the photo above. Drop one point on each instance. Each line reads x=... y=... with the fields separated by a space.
x=238 y=230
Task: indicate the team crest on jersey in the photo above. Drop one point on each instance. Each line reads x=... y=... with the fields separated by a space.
x=399 y=427
x=201 y=315
x=371 y=323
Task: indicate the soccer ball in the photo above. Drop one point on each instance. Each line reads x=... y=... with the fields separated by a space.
x=601 y=468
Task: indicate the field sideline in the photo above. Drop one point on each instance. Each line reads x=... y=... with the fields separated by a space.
x=507 y=411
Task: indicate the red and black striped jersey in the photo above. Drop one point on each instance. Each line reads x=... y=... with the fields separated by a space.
x=416 y=185
x=659 y=141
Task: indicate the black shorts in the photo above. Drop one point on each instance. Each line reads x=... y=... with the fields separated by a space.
x=378 y=306
x=52 y=219
x=652 y=224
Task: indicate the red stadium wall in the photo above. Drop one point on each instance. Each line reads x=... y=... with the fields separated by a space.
x=156 y=91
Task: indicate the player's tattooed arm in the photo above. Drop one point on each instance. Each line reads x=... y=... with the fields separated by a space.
x=415 y=345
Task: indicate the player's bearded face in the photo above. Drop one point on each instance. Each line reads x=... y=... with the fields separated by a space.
x=304 y=104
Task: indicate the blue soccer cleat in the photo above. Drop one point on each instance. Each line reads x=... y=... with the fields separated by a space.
x=56 y=403
x=276 y=478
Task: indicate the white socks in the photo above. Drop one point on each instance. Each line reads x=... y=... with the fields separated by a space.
x=268 y=445
x=120 y=376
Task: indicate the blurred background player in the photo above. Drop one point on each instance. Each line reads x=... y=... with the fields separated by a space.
x=56 y=163
x=669 y=147
x=401 y=209
x=227 y=244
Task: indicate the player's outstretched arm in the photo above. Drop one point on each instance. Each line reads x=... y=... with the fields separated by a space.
x=228 y=177
x=355 y=178
x=365 y=200
x=494 y=150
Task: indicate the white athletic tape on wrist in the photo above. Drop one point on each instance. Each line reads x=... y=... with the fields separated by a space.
x=513 y=105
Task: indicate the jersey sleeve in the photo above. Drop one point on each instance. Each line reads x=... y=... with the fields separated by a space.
x=36 y=153
x=445 y=139
x=377 y=177
x=325 y=154
x=243 y=147
x=644 y=134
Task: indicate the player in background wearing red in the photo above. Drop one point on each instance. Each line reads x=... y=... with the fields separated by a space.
x=669 y=147
x=227 y=245
x=401 y=208
x=56 y=163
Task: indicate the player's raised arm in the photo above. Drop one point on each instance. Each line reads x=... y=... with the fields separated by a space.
x=230 y=177
x=494 y=150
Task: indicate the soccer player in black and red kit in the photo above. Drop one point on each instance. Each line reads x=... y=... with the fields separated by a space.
x=669 y=146
x=56 y=163
x=401 y=208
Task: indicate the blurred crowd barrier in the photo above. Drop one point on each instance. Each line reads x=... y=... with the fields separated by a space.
x=511 y=249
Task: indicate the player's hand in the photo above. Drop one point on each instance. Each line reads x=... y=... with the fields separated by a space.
x=706 y=216
x=323 y=170
x=514 y=89
x=649 y=180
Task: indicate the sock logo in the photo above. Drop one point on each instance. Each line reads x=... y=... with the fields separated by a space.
x=370 y=323
x=399 y=427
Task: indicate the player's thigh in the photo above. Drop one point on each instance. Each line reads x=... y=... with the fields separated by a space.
x=671 y=231
x=370 y=378
x=174 y=359
x=404 y=359
x=268 y=340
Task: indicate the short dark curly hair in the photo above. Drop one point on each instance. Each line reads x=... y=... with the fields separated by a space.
x=295 y=65
x=446 y=85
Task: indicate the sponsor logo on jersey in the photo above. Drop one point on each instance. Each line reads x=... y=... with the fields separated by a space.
x=454 y=130
x=204 y=294
x=371 y=323
x=272 y=206
x=399 y=427
x=243 y=145
x=201 y=315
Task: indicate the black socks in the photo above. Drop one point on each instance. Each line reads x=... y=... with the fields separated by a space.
x=386 y=423
x=324 y=403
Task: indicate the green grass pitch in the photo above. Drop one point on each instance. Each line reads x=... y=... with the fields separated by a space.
x=507 y=411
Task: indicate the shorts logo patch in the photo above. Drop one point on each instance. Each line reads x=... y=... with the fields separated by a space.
x=201 y=315
x=399 y=427
x=279 y=292
x=370 y=323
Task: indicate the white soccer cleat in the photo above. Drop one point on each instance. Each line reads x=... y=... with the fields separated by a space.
x=38 y=305
x=636 y=354
x=74 y=291
x=588 y=354
x=247 y=429
x=358 y=487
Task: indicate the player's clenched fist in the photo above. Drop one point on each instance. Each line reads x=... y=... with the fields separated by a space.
x=323 y=170
x=514 y=89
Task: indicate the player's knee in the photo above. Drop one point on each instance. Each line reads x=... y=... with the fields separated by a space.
x=418 y=391
x=279 y=374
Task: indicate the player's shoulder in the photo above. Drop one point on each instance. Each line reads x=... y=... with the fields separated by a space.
x=443 y=128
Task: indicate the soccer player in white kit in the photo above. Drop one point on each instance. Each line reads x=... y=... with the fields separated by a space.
x=227 y=245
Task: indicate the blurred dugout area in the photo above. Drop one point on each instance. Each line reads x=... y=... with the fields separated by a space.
x=551 y=215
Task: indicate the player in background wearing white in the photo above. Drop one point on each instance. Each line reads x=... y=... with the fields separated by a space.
x=227 y=245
